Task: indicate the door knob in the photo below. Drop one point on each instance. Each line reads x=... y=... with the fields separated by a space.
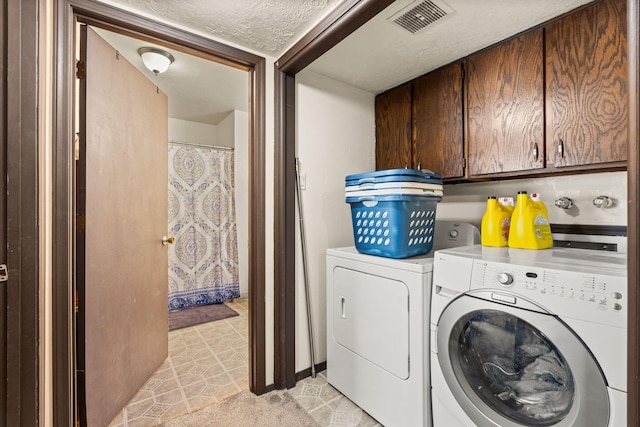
x=168 y=240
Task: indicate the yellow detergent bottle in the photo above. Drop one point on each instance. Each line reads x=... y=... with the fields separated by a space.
x=530 y=227
x=535 y=197
x=495 y=224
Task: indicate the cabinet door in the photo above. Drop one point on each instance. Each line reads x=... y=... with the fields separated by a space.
x=437 y=121
x=505 y=107
x=587 y=94
x=393 y=128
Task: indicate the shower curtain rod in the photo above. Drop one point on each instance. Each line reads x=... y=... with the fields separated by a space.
x=193 y=144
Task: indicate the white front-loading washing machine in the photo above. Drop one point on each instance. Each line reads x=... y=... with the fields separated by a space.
x=378 y=328
x=529 y=338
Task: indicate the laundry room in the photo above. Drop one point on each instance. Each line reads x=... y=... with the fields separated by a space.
x=338 y=132
x=328 y=222
x=487 y=152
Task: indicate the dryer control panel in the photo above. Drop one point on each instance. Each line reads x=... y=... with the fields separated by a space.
x=575 y=294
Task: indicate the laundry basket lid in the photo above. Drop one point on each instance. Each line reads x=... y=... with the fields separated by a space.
x=393 y=175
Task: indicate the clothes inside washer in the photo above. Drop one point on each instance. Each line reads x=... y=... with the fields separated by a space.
x=512 y=366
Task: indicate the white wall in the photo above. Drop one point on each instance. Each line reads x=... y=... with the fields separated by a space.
x=336 y=137
x=233 y=131
x=194 y=132
x=467 y=202
x=225 y=131
x=241 y=141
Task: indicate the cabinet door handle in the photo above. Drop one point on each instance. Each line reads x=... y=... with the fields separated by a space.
x=560 y=148
x=535 y=152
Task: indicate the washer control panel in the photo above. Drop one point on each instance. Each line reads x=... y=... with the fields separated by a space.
x=563 y=292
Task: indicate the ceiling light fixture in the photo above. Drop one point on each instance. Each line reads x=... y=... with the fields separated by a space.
x=156 y=60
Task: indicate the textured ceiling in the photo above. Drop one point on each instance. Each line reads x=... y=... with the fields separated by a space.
x=268 y=26
x=378 y=56
x=381 y=55
x=198 y=90
x=204 y=91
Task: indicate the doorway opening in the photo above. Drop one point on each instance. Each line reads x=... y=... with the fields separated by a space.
x=204 y=106
x=109 y=18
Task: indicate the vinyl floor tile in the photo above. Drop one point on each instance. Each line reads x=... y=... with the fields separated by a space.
x=208 y=363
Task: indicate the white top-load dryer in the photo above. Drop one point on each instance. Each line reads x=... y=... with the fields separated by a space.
x=377 y=328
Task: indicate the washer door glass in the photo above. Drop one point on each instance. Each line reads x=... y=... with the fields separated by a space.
x=514 y=368
x=511 y=366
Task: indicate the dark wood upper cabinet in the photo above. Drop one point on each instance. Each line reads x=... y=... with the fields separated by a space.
x=437 y=122
x=393 y=128
x=505 y=106
x=587 y=95
x=552 y=100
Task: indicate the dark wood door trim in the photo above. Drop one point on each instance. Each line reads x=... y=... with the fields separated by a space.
x=105 y=16
x=633 y=222
x=257 y=196
x=21 y=132
x=342 y=21
x=122 y=21
x=3 y=212
x=284 y=232
x=345 y=19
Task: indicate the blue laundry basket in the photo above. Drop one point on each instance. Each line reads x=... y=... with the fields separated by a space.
x=395 y=226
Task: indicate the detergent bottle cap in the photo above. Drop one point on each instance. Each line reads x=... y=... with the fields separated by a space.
x=491 y=197
x=506 y=201
x=522 y=192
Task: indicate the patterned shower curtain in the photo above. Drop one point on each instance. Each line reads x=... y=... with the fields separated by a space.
x=203 y=261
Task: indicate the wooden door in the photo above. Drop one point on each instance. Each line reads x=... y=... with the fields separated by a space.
x=437 y=121
x=505 y=110
x=393 y=128
x=122 y=209
x=587 y=89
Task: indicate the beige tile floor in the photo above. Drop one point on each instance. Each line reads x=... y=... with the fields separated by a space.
x=208 y=363
x=327 y=406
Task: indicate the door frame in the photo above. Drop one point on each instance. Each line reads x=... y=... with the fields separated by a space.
x=21 y=131
x=63 y=263
x=342 y=21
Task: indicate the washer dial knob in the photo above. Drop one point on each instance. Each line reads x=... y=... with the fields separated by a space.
x=505 y=279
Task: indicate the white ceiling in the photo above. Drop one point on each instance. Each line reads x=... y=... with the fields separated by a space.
x=198 y=90
x=378 y=56
x=381 y=55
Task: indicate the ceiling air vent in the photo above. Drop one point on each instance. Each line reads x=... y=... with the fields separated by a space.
x=420 y=14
